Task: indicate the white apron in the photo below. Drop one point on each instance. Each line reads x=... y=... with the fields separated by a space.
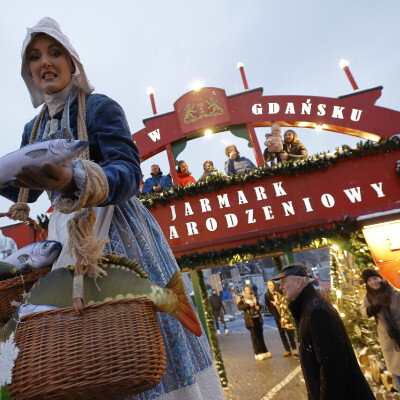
x=58 y=231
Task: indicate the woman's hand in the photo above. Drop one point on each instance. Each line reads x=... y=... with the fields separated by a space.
x=49 y=176
x=232 y=155
x=283 y=156
x=257 y=307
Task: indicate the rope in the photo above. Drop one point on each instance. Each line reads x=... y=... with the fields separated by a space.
x=81 y=122
x=87 y=249
x=82 y=243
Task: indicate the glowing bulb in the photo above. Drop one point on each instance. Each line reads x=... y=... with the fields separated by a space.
x=197 y=85
x=343 y=63
x=338 y=294
x=240 y=64
x=208 y=133
x=150 y=90
x=342 y=315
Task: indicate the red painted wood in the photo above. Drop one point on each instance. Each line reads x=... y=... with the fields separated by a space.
x=153 y=104
x=172 y=167
x=350 y=77
x=21 y=233
x=347 y=174
x=355 y=114
x=256 y=145
x=244 y=80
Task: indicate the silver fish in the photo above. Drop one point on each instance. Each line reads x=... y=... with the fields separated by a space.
x=37 y=153
x=39 y=254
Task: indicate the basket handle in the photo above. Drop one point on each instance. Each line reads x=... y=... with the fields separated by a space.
x=77 y=289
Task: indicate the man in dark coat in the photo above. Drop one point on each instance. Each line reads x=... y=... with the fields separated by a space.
x=218 y=310
x=329 y=365
x=273 y=298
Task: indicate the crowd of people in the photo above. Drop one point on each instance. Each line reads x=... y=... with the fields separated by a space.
x=329 y=365
x=276 y=151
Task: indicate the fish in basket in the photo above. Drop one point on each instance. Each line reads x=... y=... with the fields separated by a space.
x=20 y=271
x=116 y=345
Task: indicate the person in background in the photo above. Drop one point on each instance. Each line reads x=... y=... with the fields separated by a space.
x=218 y=311
x=210 y=170
x=158 y=182
x=277 y=305
x=185 y=178
x=139 y=192
x=293 y=149
x=236 y=164
x=382 y=301
x=330 y=367
x=229 y=304
x=273 y=143
x=250 y=306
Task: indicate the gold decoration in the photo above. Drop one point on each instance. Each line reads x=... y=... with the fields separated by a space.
x=195 y=111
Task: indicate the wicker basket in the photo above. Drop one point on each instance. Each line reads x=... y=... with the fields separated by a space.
x=115 y=349
x=12 y=290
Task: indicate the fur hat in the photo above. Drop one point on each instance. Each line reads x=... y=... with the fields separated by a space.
x=368 y=272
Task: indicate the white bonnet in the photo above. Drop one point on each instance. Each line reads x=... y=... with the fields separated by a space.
x=50 y=27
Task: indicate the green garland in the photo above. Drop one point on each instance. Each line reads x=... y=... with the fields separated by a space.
x=278 y=263
x=340 y=233
x=314 y=163
x=219 y=363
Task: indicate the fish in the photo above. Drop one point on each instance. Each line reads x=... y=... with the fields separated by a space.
x=7 y=271
x=38 y=255
x=37 y=153
x=124 y=279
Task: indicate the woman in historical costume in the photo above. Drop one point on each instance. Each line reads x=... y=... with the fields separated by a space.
x=382 y=301
x=250 y=306
x=56 y=78
x=276 y=303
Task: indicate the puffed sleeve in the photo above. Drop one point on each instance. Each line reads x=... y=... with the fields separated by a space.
x=112 y=147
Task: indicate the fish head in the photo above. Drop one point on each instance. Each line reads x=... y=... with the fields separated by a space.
x=44 y=253
x=67 y=149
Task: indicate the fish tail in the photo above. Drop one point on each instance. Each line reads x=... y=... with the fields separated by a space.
x=183 y=312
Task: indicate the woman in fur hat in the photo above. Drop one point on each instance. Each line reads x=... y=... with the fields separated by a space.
x=382 y=301
x=106 y=179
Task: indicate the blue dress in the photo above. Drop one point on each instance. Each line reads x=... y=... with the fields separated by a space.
x=134 y=233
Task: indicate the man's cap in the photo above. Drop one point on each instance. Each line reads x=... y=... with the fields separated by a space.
x=368 y=272
x=293 y=270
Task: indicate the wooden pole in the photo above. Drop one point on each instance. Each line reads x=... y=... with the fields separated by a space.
x=171 y=161
x=199 y=301
x=256 y=145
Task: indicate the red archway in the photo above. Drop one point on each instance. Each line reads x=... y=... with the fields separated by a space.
x=278 y=205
